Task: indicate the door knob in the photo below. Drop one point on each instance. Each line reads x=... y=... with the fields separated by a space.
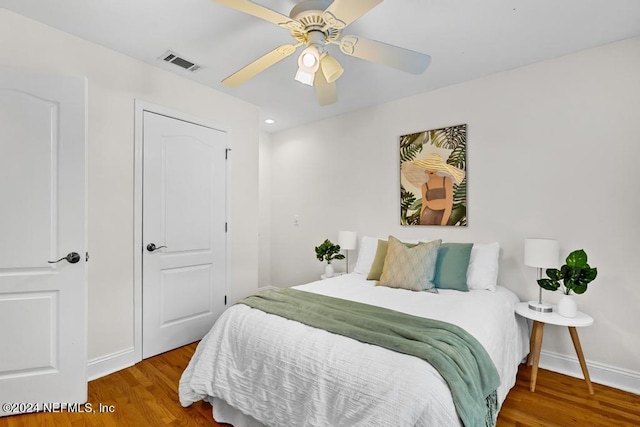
x=72 y=258
x=151 y=247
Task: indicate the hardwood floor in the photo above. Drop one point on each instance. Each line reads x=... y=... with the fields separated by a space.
x=143 y=395
x=146 y=395
x=560 y=400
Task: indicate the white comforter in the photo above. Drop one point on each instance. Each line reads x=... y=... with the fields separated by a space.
x=284 y=373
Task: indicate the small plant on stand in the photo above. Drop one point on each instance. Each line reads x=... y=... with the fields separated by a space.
x=327 y=251
x=574 y=277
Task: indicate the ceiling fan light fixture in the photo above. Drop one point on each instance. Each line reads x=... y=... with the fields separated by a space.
x=331 y=68
x=309 y=59
x=304 y=77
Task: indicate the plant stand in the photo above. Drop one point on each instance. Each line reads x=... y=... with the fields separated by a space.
x=539 y=320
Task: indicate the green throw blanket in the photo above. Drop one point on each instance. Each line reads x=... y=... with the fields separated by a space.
x=458 y=357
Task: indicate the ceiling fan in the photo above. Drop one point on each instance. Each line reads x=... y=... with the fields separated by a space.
x=316 y=24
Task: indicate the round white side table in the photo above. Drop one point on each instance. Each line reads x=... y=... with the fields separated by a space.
x=553 y=318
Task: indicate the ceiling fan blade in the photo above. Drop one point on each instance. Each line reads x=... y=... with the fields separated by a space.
x=260 y=64
x=258 y=11
x=341 y=13
x=327 y=92
x=382 y=53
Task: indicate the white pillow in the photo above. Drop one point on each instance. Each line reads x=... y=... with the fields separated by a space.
x=482 y=272
x=366 y=253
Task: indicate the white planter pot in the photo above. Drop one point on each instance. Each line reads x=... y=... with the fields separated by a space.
x=328 y=270
x=567 y=306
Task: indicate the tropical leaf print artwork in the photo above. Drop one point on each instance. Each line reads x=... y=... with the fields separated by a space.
x=433 y=175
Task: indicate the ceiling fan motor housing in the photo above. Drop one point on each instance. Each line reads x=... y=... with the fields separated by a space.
x=316 y=27
x=308 y=6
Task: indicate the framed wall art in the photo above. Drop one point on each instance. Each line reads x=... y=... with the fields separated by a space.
x=433 y=177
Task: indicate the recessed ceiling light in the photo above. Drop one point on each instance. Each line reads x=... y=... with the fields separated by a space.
x=269 y=121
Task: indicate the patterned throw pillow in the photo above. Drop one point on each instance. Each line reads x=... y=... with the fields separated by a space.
x=410 y=268
x=378 y=260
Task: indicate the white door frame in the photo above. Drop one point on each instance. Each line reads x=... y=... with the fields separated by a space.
x=140 y=108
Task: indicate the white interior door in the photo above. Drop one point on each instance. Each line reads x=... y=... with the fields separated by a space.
x=42 y=218
x=184 y=210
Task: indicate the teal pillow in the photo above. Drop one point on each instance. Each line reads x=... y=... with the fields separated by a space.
x=451 y=266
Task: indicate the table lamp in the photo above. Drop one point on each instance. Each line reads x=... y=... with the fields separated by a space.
x=541 y=253
x=347 y=241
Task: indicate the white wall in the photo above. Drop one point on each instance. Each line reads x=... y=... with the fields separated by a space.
x=264 y=210
x=552 y=150
x=114 y=82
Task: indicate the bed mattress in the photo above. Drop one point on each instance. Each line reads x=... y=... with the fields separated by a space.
x=260 y=369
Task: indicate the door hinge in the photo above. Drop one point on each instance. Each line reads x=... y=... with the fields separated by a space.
x=226 y=227
x=86 y=257
x=225 y=300
x=226 y=153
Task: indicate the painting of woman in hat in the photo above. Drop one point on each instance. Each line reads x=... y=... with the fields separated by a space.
x=436 y=179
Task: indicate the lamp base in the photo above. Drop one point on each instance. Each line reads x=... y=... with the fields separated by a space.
x=540 y=307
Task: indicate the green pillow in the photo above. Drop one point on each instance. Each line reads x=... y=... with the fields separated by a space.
x=410 y=268
x=378 y=260
x=451 y=266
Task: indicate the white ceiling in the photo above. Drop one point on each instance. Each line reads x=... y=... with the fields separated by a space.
x=466 y=39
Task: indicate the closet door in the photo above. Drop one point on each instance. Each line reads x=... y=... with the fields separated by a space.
x=184 y=242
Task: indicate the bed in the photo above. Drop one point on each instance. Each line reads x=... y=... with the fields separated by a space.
x=261 y=369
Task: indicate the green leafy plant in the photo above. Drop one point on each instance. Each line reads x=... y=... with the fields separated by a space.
x=327 y=251
x=575 y=275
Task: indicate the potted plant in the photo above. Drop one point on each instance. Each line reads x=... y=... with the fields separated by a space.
x=574 y=277
x=327 y=251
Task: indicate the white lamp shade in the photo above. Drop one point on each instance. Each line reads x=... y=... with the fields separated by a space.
x=309 y=60
x=347 y=240
x=541 y=253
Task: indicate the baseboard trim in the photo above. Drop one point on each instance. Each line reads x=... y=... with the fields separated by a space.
x=110 y=363
x=599 y=372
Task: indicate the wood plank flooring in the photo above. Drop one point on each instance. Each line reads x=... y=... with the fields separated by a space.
x=146 y=395
x=560 y=400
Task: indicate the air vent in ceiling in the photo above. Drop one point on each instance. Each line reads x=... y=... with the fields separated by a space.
x=173 y=58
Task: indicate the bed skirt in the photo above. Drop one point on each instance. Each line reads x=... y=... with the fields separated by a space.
x=225 y=413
